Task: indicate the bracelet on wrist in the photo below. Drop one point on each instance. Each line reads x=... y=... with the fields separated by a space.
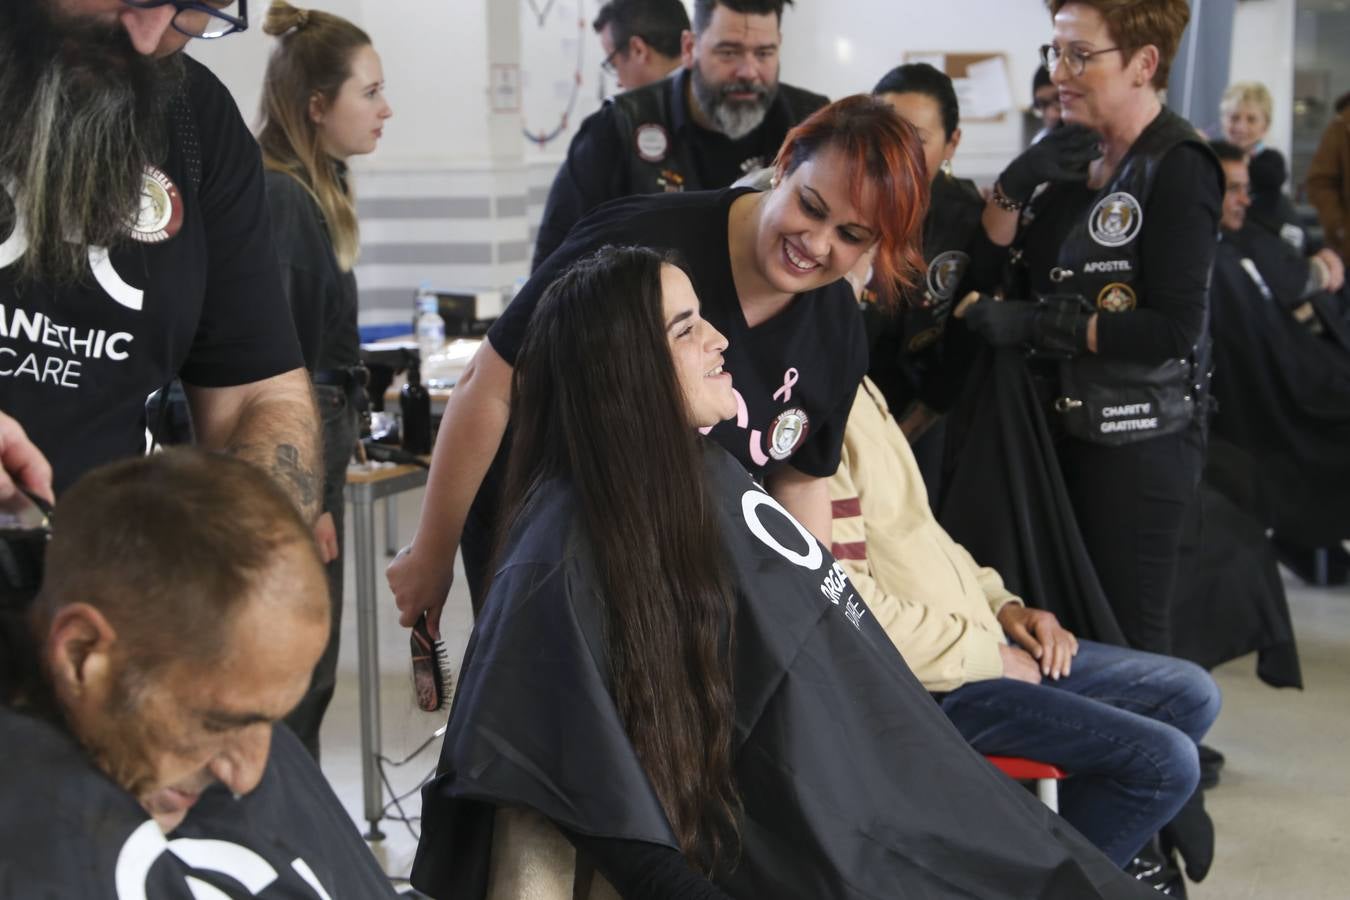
x=1003 y=201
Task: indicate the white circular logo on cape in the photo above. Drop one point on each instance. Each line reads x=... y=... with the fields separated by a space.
x=254 y=873
x=787 y=433
x=945 y=272
x=160 y=214
x=652 y=142
x=1116 y=219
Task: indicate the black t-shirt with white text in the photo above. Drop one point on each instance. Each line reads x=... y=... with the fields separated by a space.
x=194 y=291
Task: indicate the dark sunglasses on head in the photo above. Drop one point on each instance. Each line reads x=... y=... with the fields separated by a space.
x=201 y=19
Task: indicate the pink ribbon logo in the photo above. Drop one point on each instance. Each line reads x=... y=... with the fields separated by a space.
x=784 y=393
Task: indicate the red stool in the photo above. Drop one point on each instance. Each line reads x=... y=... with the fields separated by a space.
x=1046 y=776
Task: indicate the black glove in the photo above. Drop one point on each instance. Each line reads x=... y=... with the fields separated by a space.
x=1052 y=328
x=1003 y=323
x=1062 y=155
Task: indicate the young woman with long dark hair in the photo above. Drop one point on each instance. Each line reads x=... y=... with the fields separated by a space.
x=769 y=268
x=672 y=674
x=323 y=103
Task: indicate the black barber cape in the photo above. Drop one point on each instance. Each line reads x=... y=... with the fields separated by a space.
x=1004 y=498
x=1283 y=396
x=68 y=832
x=854 y=783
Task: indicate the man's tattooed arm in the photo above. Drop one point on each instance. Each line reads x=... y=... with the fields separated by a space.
x=271 y=423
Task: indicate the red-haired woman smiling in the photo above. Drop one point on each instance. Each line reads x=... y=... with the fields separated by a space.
x=769 y=268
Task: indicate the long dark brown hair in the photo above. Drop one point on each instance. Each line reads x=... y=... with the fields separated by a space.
x=596 y=402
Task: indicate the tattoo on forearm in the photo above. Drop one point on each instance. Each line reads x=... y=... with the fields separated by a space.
x=289 y=469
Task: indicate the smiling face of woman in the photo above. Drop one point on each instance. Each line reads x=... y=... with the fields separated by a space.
x=810 y=234
x=1245 y=125
x=1109 y=79
x=696 y=350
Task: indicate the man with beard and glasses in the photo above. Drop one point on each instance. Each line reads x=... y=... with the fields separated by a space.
x=721 y=116
x=135 y=246
x=181 y=610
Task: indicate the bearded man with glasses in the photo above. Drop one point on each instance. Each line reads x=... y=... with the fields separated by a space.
x=721 y=116
x=135 y=247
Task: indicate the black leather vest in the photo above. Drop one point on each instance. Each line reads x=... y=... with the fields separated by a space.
x=1099 y=258
x=1099 y=261
x=649 y=120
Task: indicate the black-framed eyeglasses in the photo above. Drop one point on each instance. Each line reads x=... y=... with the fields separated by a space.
x=1076 y=57
x=202 y=19
x=607 y=64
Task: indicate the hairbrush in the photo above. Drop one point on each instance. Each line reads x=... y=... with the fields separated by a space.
x=430 y=669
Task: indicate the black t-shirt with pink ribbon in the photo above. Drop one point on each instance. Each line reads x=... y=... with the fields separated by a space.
x=794 y=375
x=193 y=291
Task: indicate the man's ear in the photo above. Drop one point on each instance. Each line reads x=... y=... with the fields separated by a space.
x=687 y=49
x=78 y=655
x=638 y=49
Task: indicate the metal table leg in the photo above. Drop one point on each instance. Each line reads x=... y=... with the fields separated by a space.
x=368 y=654
x=391 y=525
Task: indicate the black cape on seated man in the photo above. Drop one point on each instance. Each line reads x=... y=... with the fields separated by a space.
x=854 y=784
x=69 y=832
x=1283 y=392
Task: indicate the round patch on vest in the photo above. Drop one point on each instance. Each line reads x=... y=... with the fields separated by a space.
x=944 y=273
x=652 y=142
x=160 y=214
x=1117 y=297
x=787 y=433
x=1116 y=220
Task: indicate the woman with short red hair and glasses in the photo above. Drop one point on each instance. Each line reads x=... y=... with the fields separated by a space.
x=769 y=267
x=1112 y=221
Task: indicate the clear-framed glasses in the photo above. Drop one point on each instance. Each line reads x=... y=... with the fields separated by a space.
x=1076 y=57
x=206 y=19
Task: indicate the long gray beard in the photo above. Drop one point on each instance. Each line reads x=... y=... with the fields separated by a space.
x=83 y=114
x=733 y=118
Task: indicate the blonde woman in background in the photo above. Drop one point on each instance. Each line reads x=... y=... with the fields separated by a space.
x=323 y=103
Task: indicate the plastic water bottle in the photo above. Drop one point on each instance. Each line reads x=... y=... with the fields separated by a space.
x=430 y=326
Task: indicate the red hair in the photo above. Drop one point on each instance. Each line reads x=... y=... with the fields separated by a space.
x=882 y=152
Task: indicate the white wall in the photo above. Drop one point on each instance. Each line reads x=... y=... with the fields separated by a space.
x=843 y=46
x=435 y=63
x=1263 y=50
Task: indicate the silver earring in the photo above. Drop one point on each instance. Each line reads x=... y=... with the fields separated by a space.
x=946 y=167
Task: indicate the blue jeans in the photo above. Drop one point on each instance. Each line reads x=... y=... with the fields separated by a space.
x=1124 y=725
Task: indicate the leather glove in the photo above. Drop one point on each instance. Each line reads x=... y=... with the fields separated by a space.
x=1062 y=155
x=1003 y=324
x=1053 y=328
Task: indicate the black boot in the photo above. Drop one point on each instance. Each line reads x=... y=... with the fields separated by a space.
x=1211 y=764
x=1158 y=870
